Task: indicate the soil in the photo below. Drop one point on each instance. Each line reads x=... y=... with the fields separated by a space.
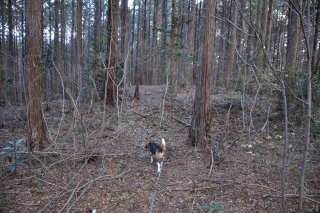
x=96 y=158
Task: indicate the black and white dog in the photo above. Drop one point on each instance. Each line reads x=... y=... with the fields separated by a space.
x=157 y=152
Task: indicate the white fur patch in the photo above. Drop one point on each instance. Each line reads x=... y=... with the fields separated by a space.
x=159 y=167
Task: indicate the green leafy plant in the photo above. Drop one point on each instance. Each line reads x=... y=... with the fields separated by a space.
x=213 y=208
x=13 y=150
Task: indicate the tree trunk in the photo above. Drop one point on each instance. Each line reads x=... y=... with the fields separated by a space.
x=11 y=61
x=110 y=76
x=197 y=47
x=144 y=65
x=133 y=59
x=164 y=24
x=37 y=138
x=315 y=55
x=56 y=46
x=250 y=38
x=201 y=119
x=149 y=44
x=154 y=41
x=97 y=26
x=221 y=75
x=137 y=71
x=314 y=61
x=174 y=30
x=191 y=34
x=63 y=37
x=269 y=29
x=262 y=12
x=231 y=45
x=293 y=38
x=309 y=113
x=77 y=88
x=124 y=25
x=2 y=41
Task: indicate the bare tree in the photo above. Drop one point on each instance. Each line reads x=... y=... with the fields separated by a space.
x=37 y=138
x=201 y=118
x=307 y=38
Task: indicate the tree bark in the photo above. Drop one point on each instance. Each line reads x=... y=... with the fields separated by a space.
x=78 y=86
x=2 y=41
x=309 y=112
x=164 y=24
x=269 y=29
x=314 y=61
x=37 y=138
x=133 y=59
x=11 y=61
x=63 y=37
x=56 y=46
x=110 y=76
x=154 y=41
x=174 y=30
x=124 y=25
x=231 y=45
x=144 y=64
x=201 y=119
x=191 y=34
x=222 y=45
x=262 y=33
x=97 y=26
x=293 y=37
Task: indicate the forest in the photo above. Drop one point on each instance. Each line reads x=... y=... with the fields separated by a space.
x=231 y=86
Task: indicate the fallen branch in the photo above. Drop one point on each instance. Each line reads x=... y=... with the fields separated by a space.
x=307 y=197
x=212 y=163
x=180 y=121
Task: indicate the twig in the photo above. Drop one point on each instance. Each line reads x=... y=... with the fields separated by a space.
x=63 y=104
x=308 y=197
x=70 y=197
x=180 y=121
x=24 y=204
x=49 y=183
x=212 y=163
x=144 y=116
x=165 y=95
x=200 y=208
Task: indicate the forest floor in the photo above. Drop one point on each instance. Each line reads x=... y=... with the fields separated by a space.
x=96 y=159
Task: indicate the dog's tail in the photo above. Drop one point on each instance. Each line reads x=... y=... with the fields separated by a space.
x=163 y=144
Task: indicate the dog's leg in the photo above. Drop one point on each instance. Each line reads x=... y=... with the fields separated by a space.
x=161 y=164
x=159 y=167
x=151 y=159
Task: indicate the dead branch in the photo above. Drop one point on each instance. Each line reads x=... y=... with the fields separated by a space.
x=180 y=121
